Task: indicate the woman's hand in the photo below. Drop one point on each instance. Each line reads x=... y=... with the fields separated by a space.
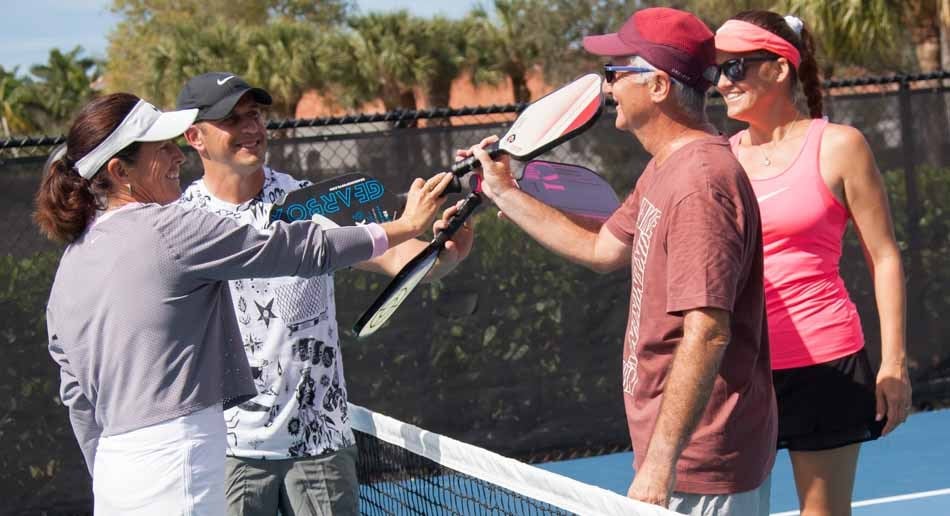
x=893 y=395
x=422 y=202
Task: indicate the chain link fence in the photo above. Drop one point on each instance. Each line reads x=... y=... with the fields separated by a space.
x=522 y=349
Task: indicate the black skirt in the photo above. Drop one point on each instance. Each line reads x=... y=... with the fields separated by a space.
x=826 y=406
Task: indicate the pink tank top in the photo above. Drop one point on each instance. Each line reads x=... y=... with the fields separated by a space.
x=811 y=319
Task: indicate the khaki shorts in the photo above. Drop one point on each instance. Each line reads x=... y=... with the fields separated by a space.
x=302 y=486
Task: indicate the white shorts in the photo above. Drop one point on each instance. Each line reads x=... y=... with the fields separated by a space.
x=172 y=468
x=749 y=503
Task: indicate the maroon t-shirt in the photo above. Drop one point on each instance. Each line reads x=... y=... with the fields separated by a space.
x=693 y=224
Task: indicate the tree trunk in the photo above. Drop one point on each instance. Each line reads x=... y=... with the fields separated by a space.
x=403 y=145
x=519 y=86
x=945 y=34
x=441 y=149
x=401 y=99
x=925 y=33
x=928 y=54
x=7 y=135
x=924 y=19
x=407 y=101
x=440 y=91
x=518 y=74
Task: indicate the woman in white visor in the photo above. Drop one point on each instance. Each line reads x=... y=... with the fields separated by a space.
x=139 y=317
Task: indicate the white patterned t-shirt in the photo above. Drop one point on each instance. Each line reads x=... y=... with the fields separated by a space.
x=290 y=334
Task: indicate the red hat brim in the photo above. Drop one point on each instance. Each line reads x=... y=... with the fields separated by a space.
x=608 y=45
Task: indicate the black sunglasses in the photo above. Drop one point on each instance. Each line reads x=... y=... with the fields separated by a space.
x=610 y=71
x=734 y=69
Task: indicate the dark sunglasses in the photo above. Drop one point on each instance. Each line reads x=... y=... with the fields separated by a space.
x=610 y=71
x=734 y=69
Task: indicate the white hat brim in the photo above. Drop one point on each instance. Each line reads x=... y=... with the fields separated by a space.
x=170 y=124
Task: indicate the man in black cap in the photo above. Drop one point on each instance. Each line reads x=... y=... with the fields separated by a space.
x=291 y=447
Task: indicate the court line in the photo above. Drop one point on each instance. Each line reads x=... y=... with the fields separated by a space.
x=878 y=501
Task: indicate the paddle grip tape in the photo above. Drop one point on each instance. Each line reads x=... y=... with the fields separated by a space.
x=460 y=168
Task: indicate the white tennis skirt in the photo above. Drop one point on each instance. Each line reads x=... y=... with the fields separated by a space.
x=172 y=468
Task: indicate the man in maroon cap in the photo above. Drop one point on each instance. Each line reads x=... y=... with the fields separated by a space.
x=696 y=380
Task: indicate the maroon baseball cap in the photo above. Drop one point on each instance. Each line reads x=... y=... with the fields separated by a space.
x=674 y=41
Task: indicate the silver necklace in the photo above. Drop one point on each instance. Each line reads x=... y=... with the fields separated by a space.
x=765 y=157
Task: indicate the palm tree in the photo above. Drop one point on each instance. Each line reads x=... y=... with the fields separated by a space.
x=922 y=17
x=161 y=43
x=385 y=60
x=852 y=32
x=518 y=35
x=63 y=85
x=507 y=42
x=562 y=25
x=446 y=42
x=12 y=118
x=167 y=13
x=247 y=12
x=322 y=13
x=715 y=12
x=189 y=50
x=287 y=58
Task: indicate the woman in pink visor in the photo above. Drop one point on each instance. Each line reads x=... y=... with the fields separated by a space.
x=810 y=178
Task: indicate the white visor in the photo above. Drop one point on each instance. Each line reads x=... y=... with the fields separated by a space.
x=145 y=123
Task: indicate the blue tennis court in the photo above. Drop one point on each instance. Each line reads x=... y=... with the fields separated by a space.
x=907 y=472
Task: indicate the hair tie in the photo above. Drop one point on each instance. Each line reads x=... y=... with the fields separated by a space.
x=795 y=23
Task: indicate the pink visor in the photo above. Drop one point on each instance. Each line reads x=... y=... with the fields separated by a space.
x=738 y=36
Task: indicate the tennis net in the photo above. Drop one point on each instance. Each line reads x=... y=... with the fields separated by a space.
x=405 y=470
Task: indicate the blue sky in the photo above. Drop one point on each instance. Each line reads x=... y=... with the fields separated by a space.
x=30 y=29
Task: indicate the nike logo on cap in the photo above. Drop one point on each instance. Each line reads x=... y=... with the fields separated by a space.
x=222 y=81
x=771 y=194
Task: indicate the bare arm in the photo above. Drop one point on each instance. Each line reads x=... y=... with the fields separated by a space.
x=394 y=259
x=866 y=199
x=596 y=249
x=695 y=365
x=456 y=250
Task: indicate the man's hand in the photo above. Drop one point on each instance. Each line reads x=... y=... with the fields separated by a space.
x=496 y=175
x=652 y=486
x=706 y=333
x=458 y=247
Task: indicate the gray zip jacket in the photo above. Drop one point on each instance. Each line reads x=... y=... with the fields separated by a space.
x=140 y=317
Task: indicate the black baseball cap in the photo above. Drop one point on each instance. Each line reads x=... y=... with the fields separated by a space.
x=216 y=93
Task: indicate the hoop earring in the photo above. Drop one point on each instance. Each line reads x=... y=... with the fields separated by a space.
x=130 y=188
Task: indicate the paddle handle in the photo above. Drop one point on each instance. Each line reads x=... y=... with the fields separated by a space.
x=472 y=201
x=460 y=168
